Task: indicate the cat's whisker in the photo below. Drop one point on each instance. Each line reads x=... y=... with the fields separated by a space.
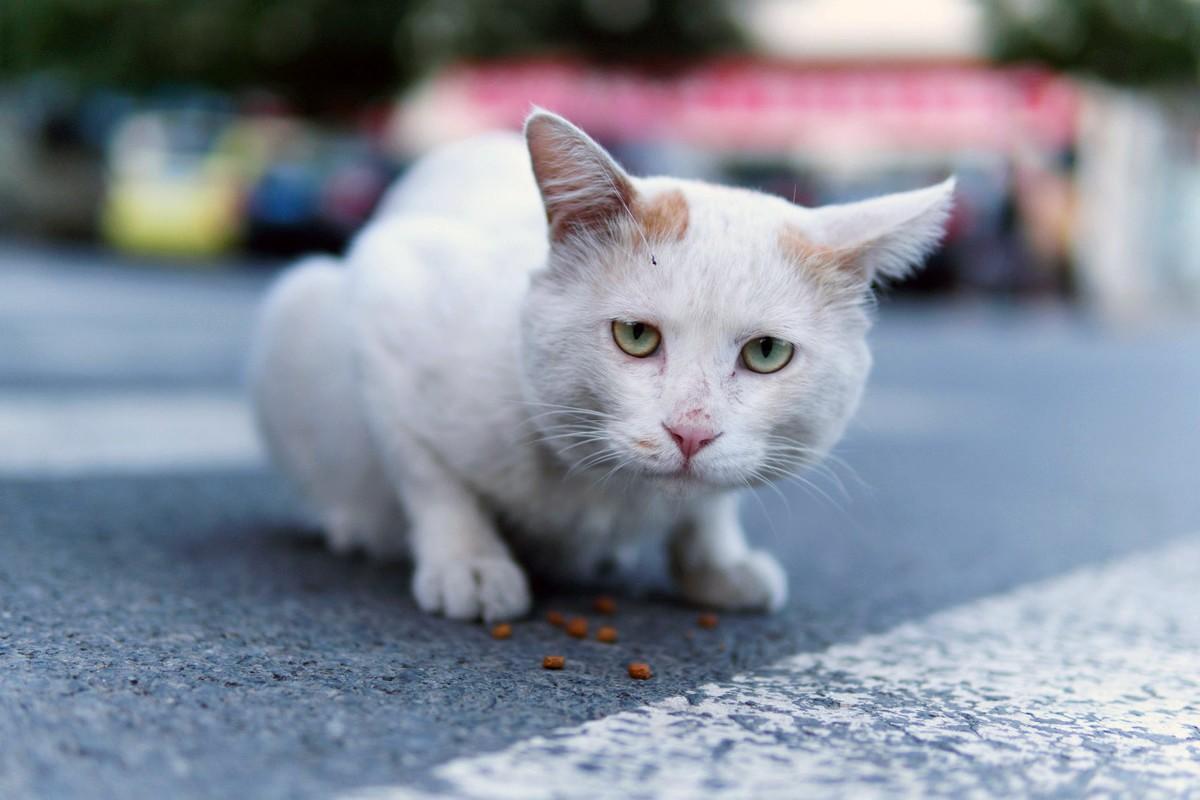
x=813 y=489
x=794 y=467
x=593 y=460
x=534 y=438
x=570 y=447
x=763 y=506
x=564 y=408
x=620 y=465
x=817 y=461
x=763 y=480
x=568 y=413
x=573 y=435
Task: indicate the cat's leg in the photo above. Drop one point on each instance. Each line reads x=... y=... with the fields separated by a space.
x=364 y=516
x=463 y=569
x=715 y=566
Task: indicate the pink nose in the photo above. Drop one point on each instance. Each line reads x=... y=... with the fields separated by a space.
x=691 y=439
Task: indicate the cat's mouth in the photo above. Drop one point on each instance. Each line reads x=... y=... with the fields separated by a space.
x=686 y=475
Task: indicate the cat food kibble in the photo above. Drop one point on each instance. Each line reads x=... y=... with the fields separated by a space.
x=501 y=631
x=553 y=662
x=607 y=634
x=556 y=619
x=708 y=621
x=640 y=671
x=577 y=627
x=604 y=605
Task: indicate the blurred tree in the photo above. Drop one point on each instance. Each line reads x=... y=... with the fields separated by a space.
x=318 y=53
x=328 y=55
x=1124 y=41
x=642 y=30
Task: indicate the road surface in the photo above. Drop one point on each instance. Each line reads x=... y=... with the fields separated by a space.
x=998 y=591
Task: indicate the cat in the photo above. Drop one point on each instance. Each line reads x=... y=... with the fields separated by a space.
x=527 y=339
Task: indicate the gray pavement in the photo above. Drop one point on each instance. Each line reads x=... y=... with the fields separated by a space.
x=177 y=630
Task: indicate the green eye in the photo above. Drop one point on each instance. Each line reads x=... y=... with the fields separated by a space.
x=767 y=354
x=636 y=338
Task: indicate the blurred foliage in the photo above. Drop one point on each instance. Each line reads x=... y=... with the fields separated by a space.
x=327 y=55
x=1136 y=42
x=639 y=30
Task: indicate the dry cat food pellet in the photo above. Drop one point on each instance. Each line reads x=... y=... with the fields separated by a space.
x=501 y=631
x=607 y=634
x=640 y=671
x=707 y=621
x=553 y=662
x=577 y=627
x=604 y=605
x=555 y=618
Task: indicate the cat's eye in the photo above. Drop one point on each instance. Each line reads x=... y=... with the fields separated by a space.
x=767 y=354
x=636 y=338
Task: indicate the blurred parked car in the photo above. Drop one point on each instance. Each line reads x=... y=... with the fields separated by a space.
x=168 y=190
x=196 y=183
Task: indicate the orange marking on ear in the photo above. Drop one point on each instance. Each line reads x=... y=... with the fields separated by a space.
x=828 y=264
x=664 y=217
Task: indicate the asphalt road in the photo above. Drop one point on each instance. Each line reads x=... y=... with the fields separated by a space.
x=171 y=626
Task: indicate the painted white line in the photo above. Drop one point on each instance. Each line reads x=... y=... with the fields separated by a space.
x=1084 y=684
x=60 y=434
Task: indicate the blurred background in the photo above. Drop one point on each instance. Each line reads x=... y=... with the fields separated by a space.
x=223 y=132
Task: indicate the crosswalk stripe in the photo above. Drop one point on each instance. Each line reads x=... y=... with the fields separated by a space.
x=1084 y=684
x=100 y=432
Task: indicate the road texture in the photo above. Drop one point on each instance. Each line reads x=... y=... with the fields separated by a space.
x=997 y=592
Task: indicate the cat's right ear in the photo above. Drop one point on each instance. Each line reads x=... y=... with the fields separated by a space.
x=583 y=189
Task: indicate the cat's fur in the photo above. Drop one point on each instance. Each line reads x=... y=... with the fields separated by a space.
x=458 y=372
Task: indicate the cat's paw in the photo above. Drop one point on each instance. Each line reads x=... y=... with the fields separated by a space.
x=755 y=582
x=484 y=587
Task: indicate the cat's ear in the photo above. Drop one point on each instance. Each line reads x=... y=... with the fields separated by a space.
x=583 y=188
x=885 y=237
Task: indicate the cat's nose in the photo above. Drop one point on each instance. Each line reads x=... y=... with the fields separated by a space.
x=690 y=439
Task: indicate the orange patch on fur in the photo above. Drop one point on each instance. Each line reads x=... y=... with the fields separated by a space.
x=824 y=262
x=664 y=217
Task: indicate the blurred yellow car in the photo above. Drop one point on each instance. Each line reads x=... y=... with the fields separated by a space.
x=168 y=191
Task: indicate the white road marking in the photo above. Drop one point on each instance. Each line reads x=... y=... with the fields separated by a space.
x=104 y=432
x=1083 y=684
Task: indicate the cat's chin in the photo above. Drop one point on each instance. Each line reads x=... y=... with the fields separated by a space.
x=686 y=481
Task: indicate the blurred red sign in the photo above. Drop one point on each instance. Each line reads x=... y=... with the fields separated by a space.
x=754 y=105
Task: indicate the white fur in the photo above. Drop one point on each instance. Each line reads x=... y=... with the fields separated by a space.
x=457 y=374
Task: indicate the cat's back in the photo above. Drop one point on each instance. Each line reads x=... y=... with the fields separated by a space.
x=460 y=231
x=485 y=182
x=436 y=282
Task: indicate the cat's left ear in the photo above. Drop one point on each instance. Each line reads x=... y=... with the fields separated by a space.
x=583 y=188
x=884 y=237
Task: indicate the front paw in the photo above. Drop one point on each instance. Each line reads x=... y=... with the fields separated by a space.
x=754 y=582
x=488 y=587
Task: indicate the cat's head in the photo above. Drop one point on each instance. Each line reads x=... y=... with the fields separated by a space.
x=705 y=335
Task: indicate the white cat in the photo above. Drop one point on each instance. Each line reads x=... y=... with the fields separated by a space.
x=577 y=357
